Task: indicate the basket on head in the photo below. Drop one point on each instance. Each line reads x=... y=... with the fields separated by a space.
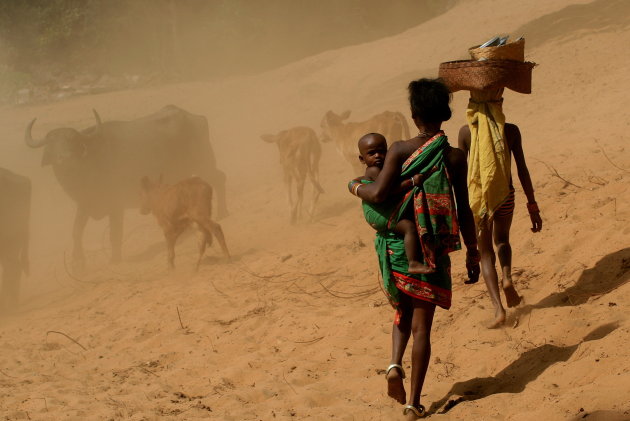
x=487 y=74
x=512 y=51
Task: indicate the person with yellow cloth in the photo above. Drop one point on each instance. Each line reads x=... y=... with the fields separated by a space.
x=490 y=143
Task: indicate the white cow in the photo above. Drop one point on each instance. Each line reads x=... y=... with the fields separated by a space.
x=392 y=125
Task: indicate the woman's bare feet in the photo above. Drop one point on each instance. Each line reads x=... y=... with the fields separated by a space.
x=419 y=268
x=395 y=387
x=499 y=319
x=511 y=295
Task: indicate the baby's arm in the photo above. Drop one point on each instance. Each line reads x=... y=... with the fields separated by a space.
x=371 y=173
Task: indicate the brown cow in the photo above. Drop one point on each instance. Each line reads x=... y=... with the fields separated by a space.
x=299 y=156
x=392 y=125
x=177 y=206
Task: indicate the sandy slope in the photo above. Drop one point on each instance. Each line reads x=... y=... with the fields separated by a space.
x=296 y=327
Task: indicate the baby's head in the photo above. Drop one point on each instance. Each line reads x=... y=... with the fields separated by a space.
x=372 y=150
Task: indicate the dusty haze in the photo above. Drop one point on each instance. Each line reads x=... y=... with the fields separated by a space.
x=295 y=327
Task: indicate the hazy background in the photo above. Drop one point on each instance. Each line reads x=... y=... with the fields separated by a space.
x=148 y=41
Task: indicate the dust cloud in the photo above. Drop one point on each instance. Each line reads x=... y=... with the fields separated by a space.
x=60 y=62
x=295 y=325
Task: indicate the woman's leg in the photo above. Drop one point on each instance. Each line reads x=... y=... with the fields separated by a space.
x=489 y=272
x=501 y=234
x=421 y=322
x=400 y=337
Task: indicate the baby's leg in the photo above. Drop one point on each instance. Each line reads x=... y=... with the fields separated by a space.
x=407 y=229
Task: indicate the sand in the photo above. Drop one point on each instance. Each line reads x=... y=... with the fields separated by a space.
x=296 y=327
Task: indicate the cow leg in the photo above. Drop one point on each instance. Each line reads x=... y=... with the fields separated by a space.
x=116 y=234
x=171 y=238
x=11 y=271
x=204 y=239
x=288 y=184
x=171 y=234
x=301 y=179
x=317 y=190
x=213 y=228
x=78 y=257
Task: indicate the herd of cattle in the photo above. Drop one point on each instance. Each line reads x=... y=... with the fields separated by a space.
x=110 y=167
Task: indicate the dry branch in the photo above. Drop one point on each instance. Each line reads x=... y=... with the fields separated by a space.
x=263 y=276
x=63 y=334
x=312 y=341
x=610 y=160
x=2 y=372
x=180 y=318
x=288 y=384
x=554 y=173
x=147 y=371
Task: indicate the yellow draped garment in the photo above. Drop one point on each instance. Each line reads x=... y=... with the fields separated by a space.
x=489 y=161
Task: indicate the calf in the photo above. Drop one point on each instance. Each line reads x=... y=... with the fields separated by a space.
x=390 y=124
x=299 y=156
x=177 y=206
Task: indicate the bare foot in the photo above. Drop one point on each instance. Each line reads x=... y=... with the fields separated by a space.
x=511 y=295
x=499 y=319
x=395 y=387
x=419 y=268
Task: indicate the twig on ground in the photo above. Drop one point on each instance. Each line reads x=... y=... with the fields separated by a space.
x=263 y=276
x=147 y=371
x=288 y=384
x=610 y=160
x=320 y=273
x=218 y=290
x=312 y=341
x=63 y=334
x=180 y=318
x=2 y=372
x=554 y=173
x=595 y=179
x=352 y=295
x=302 y=290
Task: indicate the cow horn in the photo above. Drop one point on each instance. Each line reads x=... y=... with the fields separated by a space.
x=28 y=138
x=98 y=120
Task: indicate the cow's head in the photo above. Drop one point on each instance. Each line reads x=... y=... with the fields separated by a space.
x=148 y=190
x=63 y=146
x=330 y=122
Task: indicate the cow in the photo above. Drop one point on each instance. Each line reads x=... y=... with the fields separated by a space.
x=15 y=209
x=392 y=125
x=99 y=167
x=299 y=156
x=178 y=206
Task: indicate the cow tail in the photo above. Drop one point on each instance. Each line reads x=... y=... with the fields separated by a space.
x=313 y=171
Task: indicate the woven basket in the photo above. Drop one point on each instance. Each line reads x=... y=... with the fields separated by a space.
x=512 y=51
x=487 y=74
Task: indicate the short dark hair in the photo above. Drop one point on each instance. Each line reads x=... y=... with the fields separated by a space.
x=429 y=99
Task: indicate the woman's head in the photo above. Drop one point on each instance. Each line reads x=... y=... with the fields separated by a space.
x=429 y=99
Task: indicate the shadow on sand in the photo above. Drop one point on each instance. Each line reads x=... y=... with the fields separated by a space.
x=609 y=273
x=514 y=377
